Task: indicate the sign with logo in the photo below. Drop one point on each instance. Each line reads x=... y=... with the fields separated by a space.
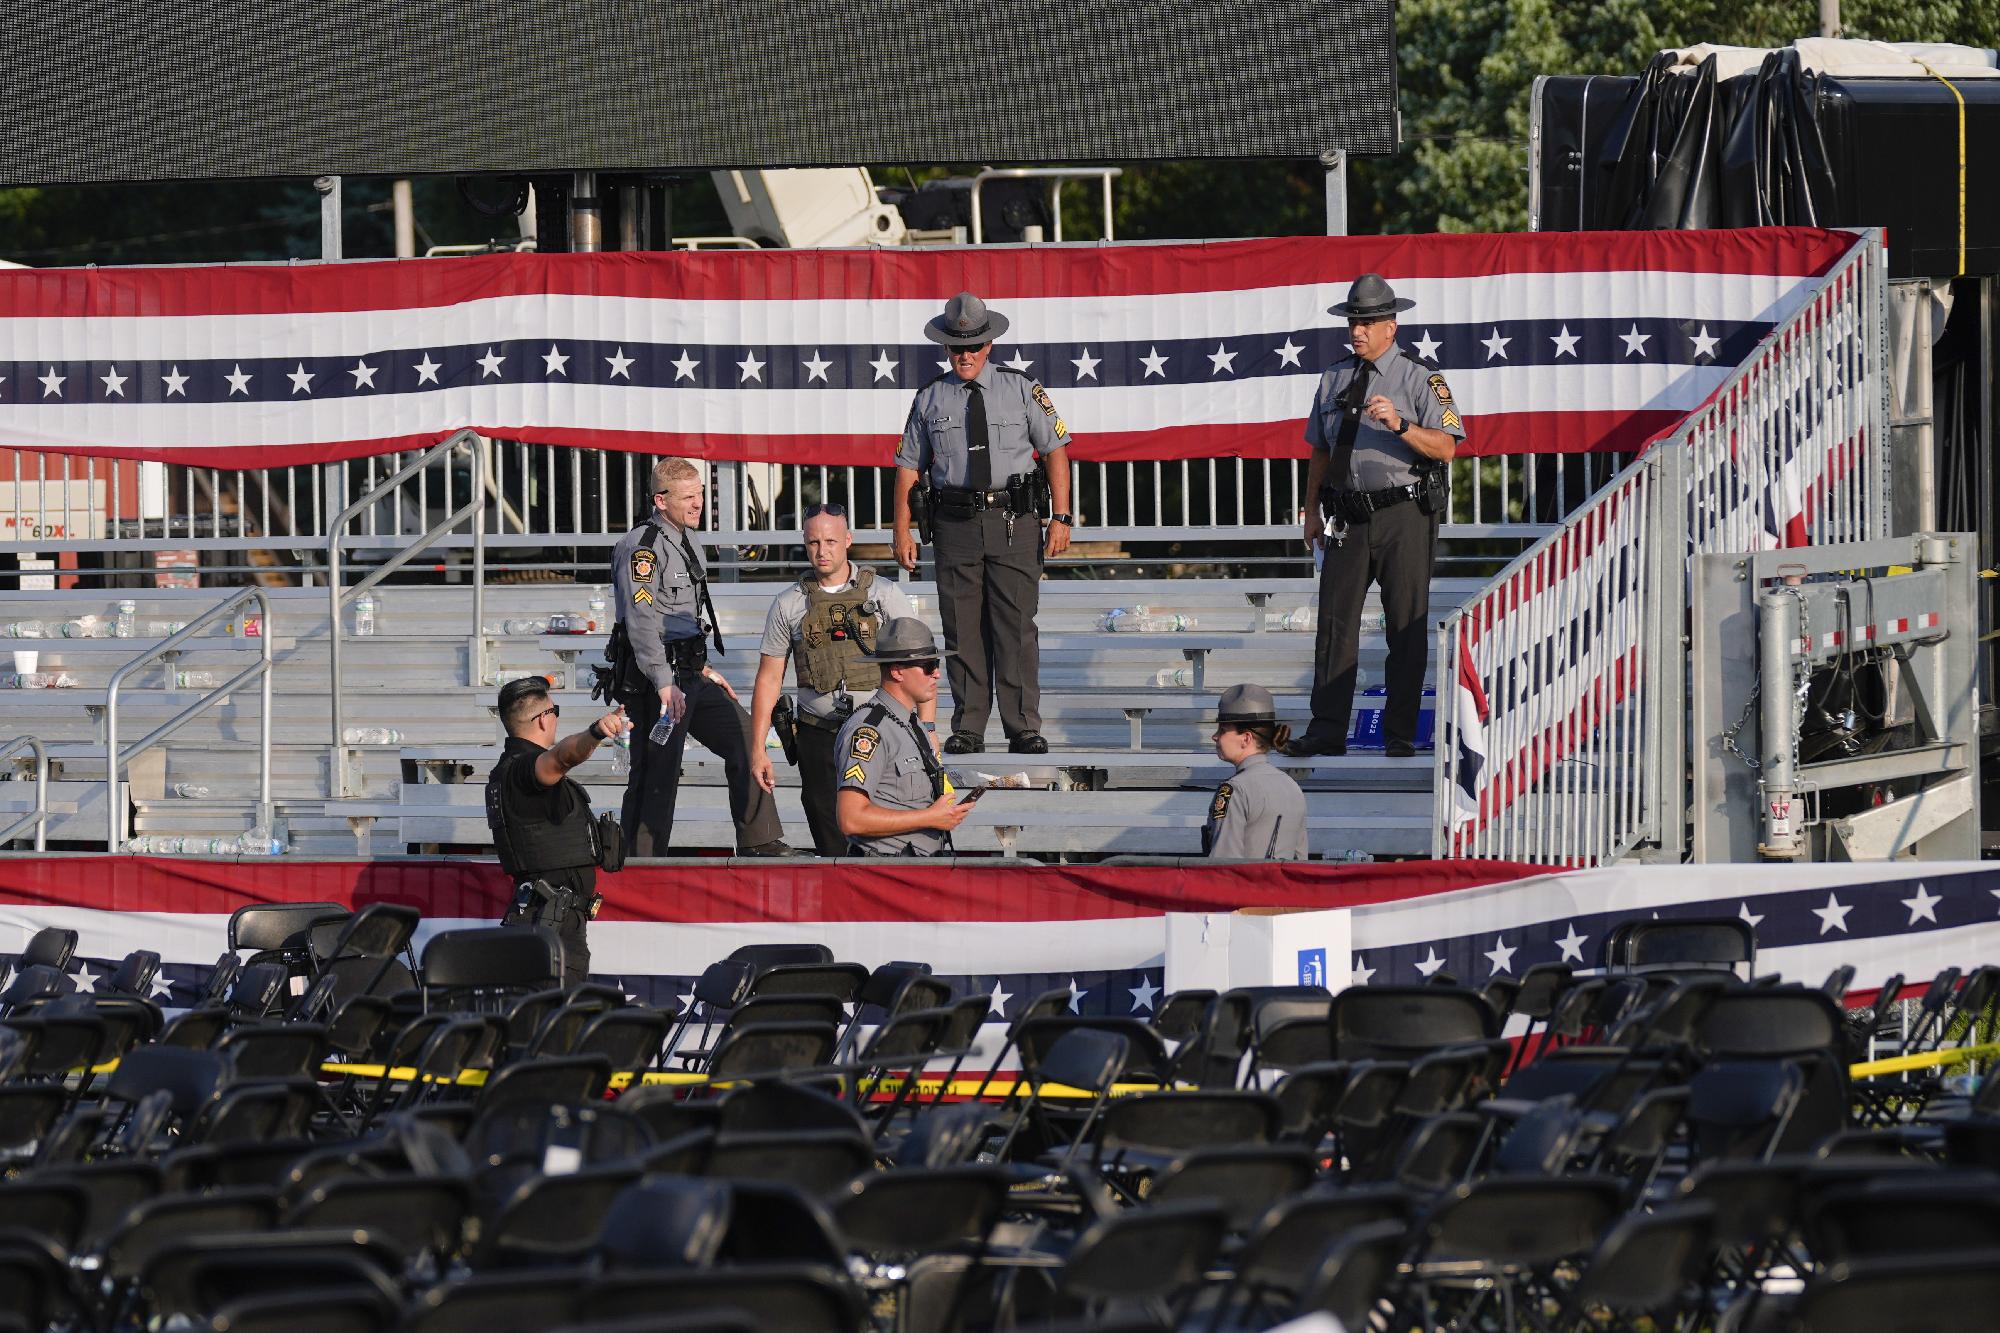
x=1312 y=967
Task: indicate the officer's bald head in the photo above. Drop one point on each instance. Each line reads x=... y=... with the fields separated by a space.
x=827 y=539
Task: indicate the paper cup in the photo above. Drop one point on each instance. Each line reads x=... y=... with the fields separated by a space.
x=27 y=662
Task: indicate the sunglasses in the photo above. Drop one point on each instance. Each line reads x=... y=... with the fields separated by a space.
x=929 y=667
x=553 y=710
x=835 y=510
x=966 y=349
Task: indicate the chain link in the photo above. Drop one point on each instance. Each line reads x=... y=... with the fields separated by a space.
x=1801 y=687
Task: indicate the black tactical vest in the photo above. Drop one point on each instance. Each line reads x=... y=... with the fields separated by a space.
x=532 y=845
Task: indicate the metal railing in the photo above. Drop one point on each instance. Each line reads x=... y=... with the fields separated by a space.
x=338 y=598
x=39 y=816
x=166 y=650
x=1576 y=645
x=1055 y=176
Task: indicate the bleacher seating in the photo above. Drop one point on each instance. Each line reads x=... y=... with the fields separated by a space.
x=1138 y=749
x=361 y=1137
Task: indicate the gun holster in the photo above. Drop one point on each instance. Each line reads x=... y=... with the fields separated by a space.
x=1434 y=494
x=539 y=903
x=923 y=512
x=785 y=722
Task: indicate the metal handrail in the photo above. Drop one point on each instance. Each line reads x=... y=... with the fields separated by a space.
x=1056 y=174
x=39 y=816
x=113 y=756
x=337 y=599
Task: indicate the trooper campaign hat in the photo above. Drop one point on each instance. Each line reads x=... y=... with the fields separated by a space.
x=966 y=322
x=1370 y=298
x=1246 y=704
x=905 y=639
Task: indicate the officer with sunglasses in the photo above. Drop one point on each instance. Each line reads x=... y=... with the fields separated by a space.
x=893 y=799
x=825 y=625
x=986 y=440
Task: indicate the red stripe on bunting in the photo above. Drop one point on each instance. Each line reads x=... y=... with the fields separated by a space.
x=1000 y=273
x=722 y=891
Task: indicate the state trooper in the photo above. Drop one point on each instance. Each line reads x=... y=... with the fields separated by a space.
x=1260 y=813
x=548 y=843
x=667 y=617
x=893 y=794
x=981 y=442
x=1383 y=431
x=826 y=625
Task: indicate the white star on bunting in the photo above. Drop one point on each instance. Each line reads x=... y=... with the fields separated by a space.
x=1704 y=345
x=1832 y=916
x=749 y=368
x=816 y=369
x=1495 y=345
x=1566 y=341
x=1143 y=993
x=685 y=368
x=996 y=1003
x=1427 y=346
x=1086 y=365
x=556 y=362
x=1075 y=996
x=1923 y=906
x=52 y=383
x=1749 y=919
x=364 y=375
x=175 y=381
x=621 y=364
x=161 y=986
x=1635 y=341
x=1572 y=945
x=885 y=369
x=302 y=379
x=1501 y=955
x=1020 y=363
x=427 y=370
x=238 y=381
x=489 y=365
x=1361 y=972
x=1155 y=363
x=1222 y=361
x=114 y=383
x=1431 y=962
x=1288 y=354
x=85 y=978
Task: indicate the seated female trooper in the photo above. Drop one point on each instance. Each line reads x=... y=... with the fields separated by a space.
x=1260 y=813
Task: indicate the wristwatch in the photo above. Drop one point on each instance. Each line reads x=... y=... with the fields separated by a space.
x=1403 y=429
x=594 y=731
x=1063 y=519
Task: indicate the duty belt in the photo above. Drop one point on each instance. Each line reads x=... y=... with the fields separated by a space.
x=1362 y=503
x=956 y=497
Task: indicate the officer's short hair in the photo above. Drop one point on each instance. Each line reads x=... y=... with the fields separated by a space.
x=670 y=470
x=522 y=699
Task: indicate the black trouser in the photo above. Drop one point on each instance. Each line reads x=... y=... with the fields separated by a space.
x=719 y=723
x=819 y=788
x=988 y=587
x=575 y=949
x=1392 y=548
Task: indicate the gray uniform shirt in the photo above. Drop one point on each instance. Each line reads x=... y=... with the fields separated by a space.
x=1381 y=457
x=1021 y=426
x=788 y=612
x=1258 y=815
x=658 y=595
x=881 y=756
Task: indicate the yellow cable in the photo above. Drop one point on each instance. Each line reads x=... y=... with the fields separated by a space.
x=1960 y=97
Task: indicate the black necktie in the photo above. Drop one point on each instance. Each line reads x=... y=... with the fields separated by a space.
x=1356 y=398
x=705 y=603
x=979 y=458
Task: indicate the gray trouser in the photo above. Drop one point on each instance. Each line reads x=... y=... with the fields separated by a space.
x=1392 y=549
x=988 y=588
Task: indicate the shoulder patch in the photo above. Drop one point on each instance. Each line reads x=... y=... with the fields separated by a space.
x=1042 y=397
x=854 y=773
x=1220 y=805
x=862 y=747
x=1439 y=388
x=643 y=561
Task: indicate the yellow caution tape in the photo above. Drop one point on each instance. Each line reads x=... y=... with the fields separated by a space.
x=1901 y=1064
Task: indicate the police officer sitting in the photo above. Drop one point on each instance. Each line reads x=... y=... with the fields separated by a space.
x=668 y=617
x=892 y=798
x=826 y=624
x=983 y=440
x=549 y=845
x=1260 y=814
x=1383 y=432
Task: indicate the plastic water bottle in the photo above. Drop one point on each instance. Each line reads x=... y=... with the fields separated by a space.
x=1173 y=623
x=621 y=753
x=194 y=680
x=526 y=626
x=1122 y=619
x=364 y=614
x=127 y=623
x=258 y=841
x=1373 y=622
x=661 y=729
x=1173 y=678
x=1298 y=620
x=193 y=791
x=26 y=629
x=84 y=627
x=595 y=622
x=372 y=736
